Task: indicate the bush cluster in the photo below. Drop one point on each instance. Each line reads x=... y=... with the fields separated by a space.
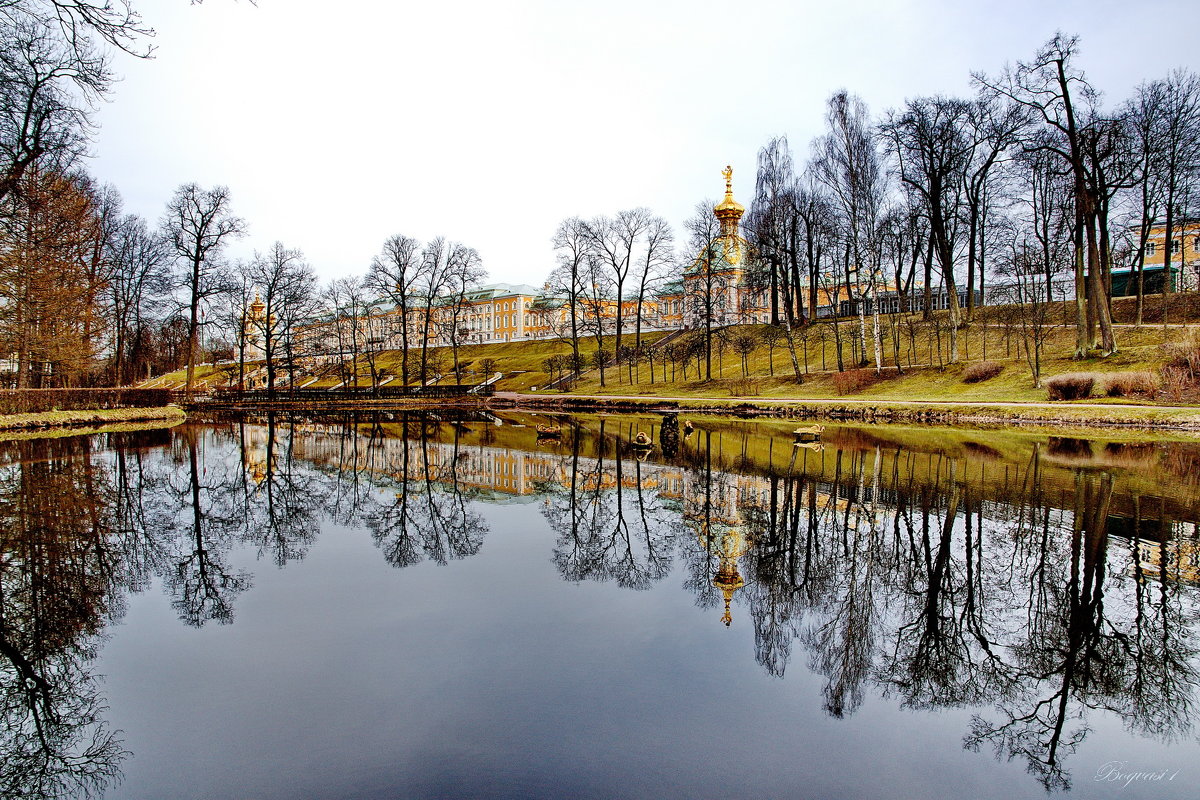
x=744 y=387
x=981 y=371
x=1185 y=357
x=1181 y=370
x=1130 y=384
x=36 y=401
x=1071 y=385
x=853 y=380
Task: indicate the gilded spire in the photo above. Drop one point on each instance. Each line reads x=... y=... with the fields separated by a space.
x=729 y=211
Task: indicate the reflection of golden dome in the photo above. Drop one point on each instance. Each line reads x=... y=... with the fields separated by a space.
x=728 y=546
x=728 y=580
x=728 y=211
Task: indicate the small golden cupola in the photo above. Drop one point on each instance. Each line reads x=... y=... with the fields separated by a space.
x=729 y=211
x=257 y=308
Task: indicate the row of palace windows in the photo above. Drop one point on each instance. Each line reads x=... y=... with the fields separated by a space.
x=1176 y=246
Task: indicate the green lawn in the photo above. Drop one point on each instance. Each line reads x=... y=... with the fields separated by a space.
x=927 y=373
x=922 y=350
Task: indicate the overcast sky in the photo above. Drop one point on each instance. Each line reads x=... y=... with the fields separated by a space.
x=336 y=125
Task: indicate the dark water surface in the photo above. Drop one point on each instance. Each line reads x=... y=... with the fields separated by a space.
x=408 y=607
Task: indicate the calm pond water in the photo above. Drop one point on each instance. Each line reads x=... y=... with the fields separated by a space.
x=407 y=607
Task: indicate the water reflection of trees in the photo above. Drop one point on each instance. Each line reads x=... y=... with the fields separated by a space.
x=944 y=600
x=58 y=571
x=905 y=573
x=1036 y=603
x=430 y=515
x=609 y=526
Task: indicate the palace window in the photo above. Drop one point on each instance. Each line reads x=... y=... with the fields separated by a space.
x=1151 y=249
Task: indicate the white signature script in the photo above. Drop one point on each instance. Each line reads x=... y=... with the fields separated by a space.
x=1119 y=772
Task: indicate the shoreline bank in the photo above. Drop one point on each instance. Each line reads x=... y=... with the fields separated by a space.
x=931 y=412
x=920 y=412
x=50 y=420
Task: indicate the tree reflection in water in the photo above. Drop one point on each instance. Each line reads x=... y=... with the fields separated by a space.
x=1033 y=590
x=609 y=526
x=58 y=571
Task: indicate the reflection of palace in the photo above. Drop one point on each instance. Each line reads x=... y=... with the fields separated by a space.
x=717 y=506
x=1177 y=559
x=509 y=471
x=1036 y=594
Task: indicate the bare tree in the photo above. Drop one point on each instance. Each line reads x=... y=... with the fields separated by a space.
x=47 y=96
x=1044 y=189
x=776 y=223
x=995 y=127
x=1053 y=88
x=595 y=302
x=396 y=274
x=708 y=281
x=235 y=307
x=932 y=144
x=139 y=281
x=448 y=270
x=346 y=301
x=465 y=274
x=1165 y=122
x=848 y=163
x=1033 y=310
x=655 y=261
x=198 y=224
x=287 y=287
x=615 y=240
x=572 y=247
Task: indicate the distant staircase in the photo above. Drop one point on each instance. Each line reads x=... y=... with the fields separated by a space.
x=477 y=389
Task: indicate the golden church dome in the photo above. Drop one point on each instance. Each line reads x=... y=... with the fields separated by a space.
x=729 y=210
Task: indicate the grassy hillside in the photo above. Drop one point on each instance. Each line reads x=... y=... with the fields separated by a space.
x=523 y=365
x=748 y=361
x=925 y=369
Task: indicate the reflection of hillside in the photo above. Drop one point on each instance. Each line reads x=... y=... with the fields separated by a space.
x=1035 y=583
x=962 y=573
x=500 y=471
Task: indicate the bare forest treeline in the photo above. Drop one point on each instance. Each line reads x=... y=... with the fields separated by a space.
x=1027 y=187
x=1030 y=183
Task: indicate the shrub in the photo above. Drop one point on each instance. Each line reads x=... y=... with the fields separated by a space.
x=1181 y=372
x=744 y=387
x=1071 y=385
x=1129 y=384
x=981 y=371
x=853 y=380
x=1184 y=356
